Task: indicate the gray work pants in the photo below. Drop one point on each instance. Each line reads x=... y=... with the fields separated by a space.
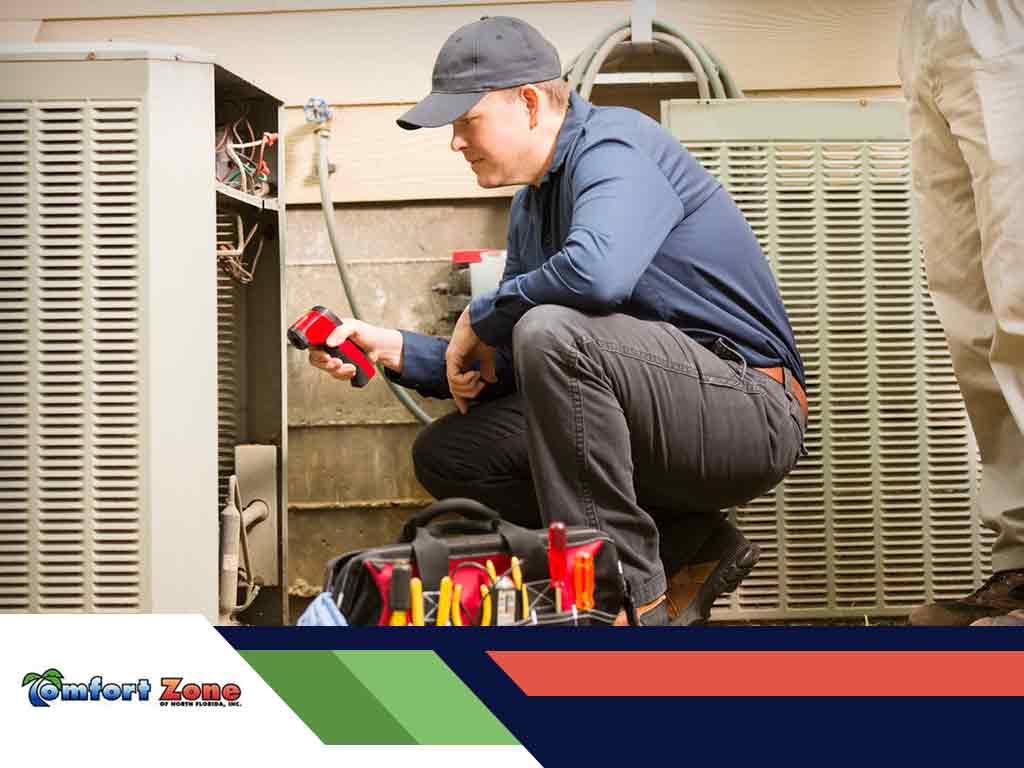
x=620 y=424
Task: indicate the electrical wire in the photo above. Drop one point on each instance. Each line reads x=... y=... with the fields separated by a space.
x=252 y=173
x=231 y=255
x=236 y=268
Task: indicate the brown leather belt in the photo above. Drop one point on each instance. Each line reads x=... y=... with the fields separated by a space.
x=779 y=374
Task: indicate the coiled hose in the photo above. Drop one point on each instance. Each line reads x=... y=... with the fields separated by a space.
x=713 y=79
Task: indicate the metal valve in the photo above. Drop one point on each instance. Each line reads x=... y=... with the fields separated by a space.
x=317 y=111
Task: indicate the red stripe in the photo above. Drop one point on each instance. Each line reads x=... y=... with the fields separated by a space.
x=765 y=673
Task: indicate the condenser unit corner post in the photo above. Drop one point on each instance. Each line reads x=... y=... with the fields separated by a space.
x=130 y=365
x=179 y=308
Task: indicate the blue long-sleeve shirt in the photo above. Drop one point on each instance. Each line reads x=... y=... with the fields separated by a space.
x=624 y=220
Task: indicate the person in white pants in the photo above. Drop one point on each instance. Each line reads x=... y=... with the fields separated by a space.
x=962 y=67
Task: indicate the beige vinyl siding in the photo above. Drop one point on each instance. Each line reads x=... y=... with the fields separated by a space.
x=19 y=31
x=107 y=9
x=371 y=60
x=376 y=160
x=385 y=55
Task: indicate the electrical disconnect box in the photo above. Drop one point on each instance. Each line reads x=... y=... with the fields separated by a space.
x=141 y=327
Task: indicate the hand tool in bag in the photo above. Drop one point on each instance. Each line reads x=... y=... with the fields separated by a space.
x=416 y=598
x=442 y=553
x=556 y=560
x=485 y=606
x=457 y=605
x=398 y=595
x=517 y=579
x=444 y=602
x=315 y=327
x=583 y=581
x=505 y=612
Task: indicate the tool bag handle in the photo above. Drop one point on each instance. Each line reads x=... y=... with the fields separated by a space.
x=431 y=552
x=468 y=508
x=460 y=528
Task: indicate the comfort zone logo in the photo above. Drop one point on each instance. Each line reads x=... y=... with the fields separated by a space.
x=50 y=686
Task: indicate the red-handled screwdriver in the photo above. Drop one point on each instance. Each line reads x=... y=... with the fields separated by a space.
x=556 y=560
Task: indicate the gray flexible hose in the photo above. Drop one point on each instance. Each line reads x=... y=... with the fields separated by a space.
x=711 y=68
x=587 y=83
x=328 y=207
x=703 y=87
x=582 y=61
x=732 y=91
x=713 y=79
x=709 y=65
x=606 y=55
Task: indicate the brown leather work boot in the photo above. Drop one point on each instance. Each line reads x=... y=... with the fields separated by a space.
x=1001 y=593
x=652 y=614
x=722 y=562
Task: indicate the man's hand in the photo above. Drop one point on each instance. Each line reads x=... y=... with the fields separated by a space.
x=379 y=344
x=465 y=349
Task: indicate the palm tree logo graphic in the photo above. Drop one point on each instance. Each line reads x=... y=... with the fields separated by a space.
x=34 y=680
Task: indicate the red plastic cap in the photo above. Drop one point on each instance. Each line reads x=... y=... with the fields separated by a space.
x=471 y=255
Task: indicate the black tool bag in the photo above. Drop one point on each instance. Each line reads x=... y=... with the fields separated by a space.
x=359 y=582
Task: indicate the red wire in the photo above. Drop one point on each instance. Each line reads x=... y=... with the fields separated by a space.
x=262 y=147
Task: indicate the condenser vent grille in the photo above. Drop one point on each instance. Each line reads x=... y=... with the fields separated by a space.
x=69 y=325
x=116 y=330
x=879 y=516
x=15 y=413
x=230 y=358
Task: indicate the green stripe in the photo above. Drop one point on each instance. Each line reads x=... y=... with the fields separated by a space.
x=327 y=697
x=426 y=697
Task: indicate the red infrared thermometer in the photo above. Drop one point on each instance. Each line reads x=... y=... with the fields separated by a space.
x=313 y=329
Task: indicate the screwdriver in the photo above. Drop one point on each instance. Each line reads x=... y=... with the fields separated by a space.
x=398 y=595
x=517 y=579
x=492 y=574
x=583 y=581
x=457 y=605
x=485 y=602
x=416 y=596
x=505 y=607
x=556 y=560
x=444 y=602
